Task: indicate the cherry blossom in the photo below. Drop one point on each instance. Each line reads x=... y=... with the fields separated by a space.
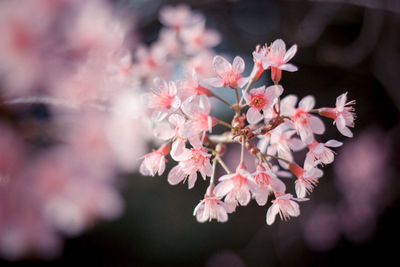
x=236 y=187
x=198 y=108
x=179 y=16
x=210 y=208
x=304 y=123
x=154 y=162
x=307 y=178
x=319 y=153
x=228 y=74
x=342 y=115
x=261 y=98
x=277 y=59
x=196 y=160
x=196 y=38
x=163 y=99
x=285 y=205
x=267 y=183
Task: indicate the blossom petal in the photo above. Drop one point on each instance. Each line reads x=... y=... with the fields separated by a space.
x=290 y=53
x=317 y=125
x=271 y=213
x=214 y=82
x=253 y=115
x=176 y=175
x=307 y=103
x=288 y=67
x=238 y=64
x=221 y=65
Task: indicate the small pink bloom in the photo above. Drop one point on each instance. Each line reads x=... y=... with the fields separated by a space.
x=196 y=38
x=282 y=143
x=152 y=62
x=198 y=108
x=284 y=205
x=197 y=160
x=163 y=99
x=191 y=86
x=201 y=63
x=154 y=162
x=307 y=178
x=304 y=123
x=258 y=55
x=266 y=182
x=261 y=99
x=342 y=115
x=320 y=153
x=179 y=16
x=228 y=74
x=277 y=59
x=210 y=208
x=236 y=187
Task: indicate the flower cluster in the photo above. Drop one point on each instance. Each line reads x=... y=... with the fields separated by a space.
x=270 y=127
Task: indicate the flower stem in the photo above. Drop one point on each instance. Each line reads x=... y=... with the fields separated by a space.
x=221 y=99
x=242 y=151
x=222 y=163
x=225 y=124
x=277 y=158
x=214 y=167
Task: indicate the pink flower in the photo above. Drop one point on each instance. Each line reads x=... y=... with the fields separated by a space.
x=236 y=187
x=258 y=55
x=304 y=123
x=282 y=143
x=210 y=208
x=196 y=160
x=277 y=59
x=179 y=16
x=163 y=99
x=201 y=63
x=320 y=153
x=198 y=108
x=261 y=99
x=152 y=62
x=284 y=205
x=228 y=74
x=154 y=162
x=191 y=86
x=343 y=115
x=266 y=182
x=196 y=38
x=307 y=178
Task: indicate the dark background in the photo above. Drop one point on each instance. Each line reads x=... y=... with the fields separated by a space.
x=344 y=46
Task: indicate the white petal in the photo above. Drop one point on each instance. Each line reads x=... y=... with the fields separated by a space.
x=317 y=125
x=288 y=67
x=176 y=175
x=253 y=115
x=290 y=53
x=221 y=65
x=307 y=103
x=271 y=213
x=333 y=143
x=238 y=65
x=214 y=82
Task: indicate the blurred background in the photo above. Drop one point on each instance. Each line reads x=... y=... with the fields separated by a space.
x=352 y=218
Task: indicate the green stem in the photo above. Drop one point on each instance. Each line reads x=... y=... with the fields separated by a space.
x=225 y=124
x=221 y=99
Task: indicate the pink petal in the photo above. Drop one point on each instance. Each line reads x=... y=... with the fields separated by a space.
x=176 y=119
x=221 y=65
x=290 y=53
x=159 y=115
x=222 y=215
x=164 y=132
x=214 y=82
x=287 y=105
x=223 y=188
x=253 y=115
x=238 y=65
x=243 y=196
x=192 y=179
x=341 y=101
x=179 y=151
x=307 y=103
x=333 y=143
x=317 y=125
x=261 y=196
x=271 y=213
x=176 y=175
x=288 y=67
x=277 y=185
